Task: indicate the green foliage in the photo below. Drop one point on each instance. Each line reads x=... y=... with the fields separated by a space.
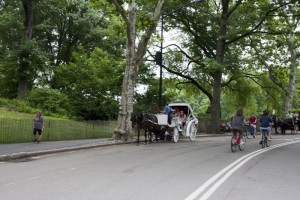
x=17 y=105
x=49 y=101
x=243 y=95
x=75 y=57
x=92 y=85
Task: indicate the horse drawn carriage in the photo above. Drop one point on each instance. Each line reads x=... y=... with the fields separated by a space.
x=166 y=127
x=174 y=128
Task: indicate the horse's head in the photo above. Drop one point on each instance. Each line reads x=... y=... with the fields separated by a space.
x=274 y=118
x=138 y=119
x=150 y=117
x=143 y=120
x=134 y=119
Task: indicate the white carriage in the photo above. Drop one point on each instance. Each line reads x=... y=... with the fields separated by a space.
x=174 y=128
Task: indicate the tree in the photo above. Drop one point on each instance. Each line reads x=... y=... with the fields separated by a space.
x=25 y=64
x=216 y=44
x=276 y=48
x=11 y=24
x=61 y=29
x=134 y=55
x=210 y=41
x=292 y=19
x=92 y=85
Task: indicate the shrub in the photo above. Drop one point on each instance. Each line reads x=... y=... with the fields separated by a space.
x=17 y=105
x=49 y=100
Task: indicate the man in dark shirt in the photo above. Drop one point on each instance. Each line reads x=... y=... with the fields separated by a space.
x=265 y=122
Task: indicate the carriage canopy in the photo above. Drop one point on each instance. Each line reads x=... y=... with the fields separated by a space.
x=185 y=107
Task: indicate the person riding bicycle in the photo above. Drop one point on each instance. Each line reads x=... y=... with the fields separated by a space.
x=265 y=122
x=238 y=122
x=252 y=120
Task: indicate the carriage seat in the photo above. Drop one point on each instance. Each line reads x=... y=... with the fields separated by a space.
x=162 y=119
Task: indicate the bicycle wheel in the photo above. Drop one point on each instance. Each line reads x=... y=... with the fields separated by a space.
x=268 y=142
x=248 y=134
x=263 y=141
x=242 y=143
x=233 y=144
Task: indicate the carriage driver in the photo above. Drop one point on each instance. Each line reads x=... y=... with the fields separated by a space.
x=289 y=115
x=168 y=111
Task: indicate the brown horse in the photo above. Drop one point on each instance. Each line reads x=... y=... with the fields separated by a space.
x=147 y=122
x=284 y=125
x=293 y=125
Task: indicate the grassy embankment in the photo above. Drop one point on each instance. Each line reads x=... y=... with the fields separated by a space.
x=16 y=127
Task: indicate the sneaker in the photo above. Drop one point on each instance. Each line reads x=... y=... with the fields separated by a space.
x=242 y=142
x=38 y=142
x=260 y=142
x=253 y=136
x=269 y=139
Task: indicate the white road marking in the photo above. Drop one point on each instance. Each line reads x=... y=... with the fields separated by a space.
x=228 y=171
x=34 y=177
x=40 y=177
x=8 y=184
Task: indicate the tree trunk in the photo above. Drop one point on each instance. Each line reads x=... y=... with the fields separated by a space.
x=217 y=87
x=124 y=127
x=24 y=57
x=292 y=75
x=134 y=55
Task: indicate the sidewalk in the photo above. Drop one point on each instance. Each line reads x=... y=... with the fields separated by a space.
x=23 y=150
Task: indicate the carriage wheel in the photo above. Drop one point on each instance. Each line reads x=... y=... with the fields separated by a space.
x=193 y=131
x=175 y=135
x=152 y=137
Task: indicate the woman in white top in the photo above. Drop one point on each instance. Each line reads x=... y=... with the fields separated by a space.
x=182 y=118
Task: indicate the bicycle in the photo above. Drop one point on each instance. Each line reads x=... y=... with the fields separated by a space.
x=265 y=142
x=249 y=131
x=238 y=141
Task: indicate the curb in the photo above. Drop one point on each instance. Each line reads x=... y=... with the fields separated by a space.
x=21 y=155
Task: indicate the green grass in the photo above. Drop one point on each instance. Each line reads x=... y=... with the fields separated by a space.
x=16 y=127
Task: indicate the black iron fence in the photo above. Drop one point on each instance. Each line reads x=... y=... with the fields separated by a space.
x=21 y=130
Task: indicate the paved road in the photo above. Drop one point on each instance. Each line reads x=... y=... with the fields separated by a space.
x=204 y=169
x=20 y=150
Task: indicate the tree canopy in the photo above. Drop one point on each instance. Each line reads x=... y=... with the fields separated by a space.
x=87 y=57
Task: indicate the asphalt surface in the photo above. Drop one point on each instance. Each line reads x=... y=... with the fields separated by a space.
x=23 y=150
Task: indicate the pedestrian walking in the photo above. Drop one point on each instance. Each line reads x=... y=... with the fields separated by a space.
x=38 y=127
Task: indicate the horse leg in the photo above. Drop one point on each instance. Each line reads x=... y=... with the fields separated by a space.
x=146 y=136
x=150 y=136
x=138 y=138
x=294 y=129
x=276 y=131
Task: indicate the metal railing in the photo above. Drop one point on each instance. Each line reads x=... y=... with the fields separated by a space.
x=21 y=130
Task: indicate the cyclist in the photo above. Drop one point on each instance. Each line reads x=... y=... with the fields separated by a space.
x=252 y=121
x=238 y=122
x=265 y=122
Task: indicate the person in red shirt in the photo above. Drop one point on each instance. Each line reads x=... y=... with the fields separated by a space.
x=253 y=121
